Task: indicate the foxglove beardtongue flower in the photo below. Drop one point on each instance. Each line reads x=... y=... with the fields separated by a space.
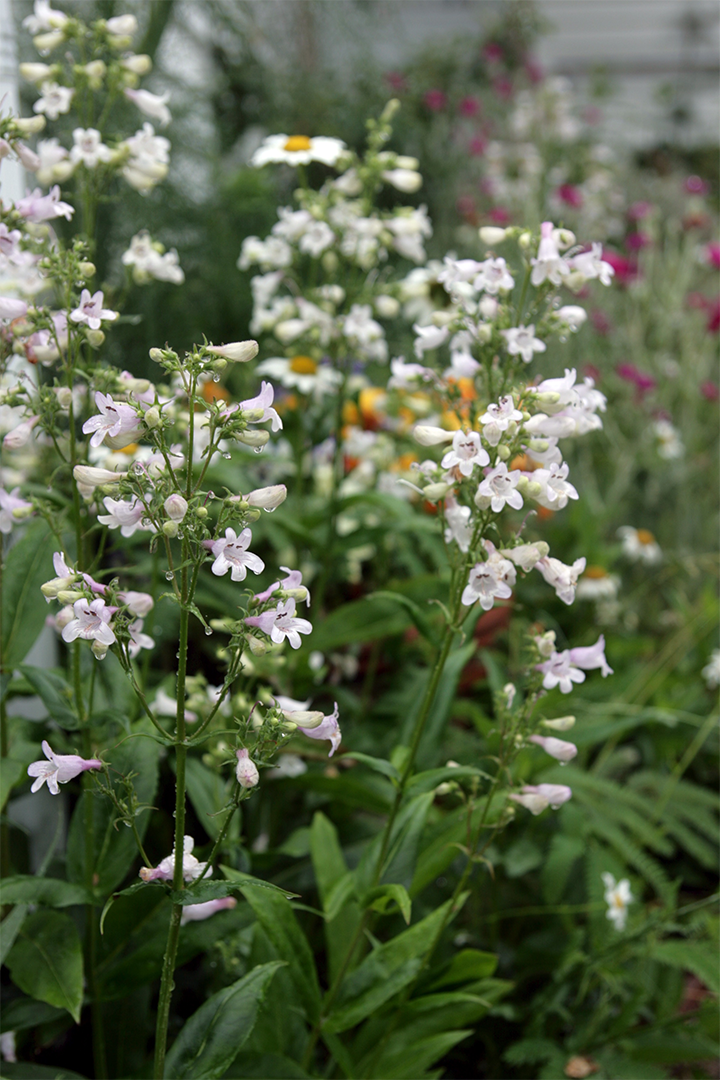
x=139 y=604
x=151 y=104
x=92 y=312
x=558 y=670
x=89 y=149
x=176 y=507
x=489 y=580
x=12 y=509
x=91 y=621
x=591 y=657
x=429 y=337
x=198 y=912
x=58 y=769
x=231 y=554
x=10 y=308
x=563 y=578
x=549 y=264
x=498 y=489
x=116 y=421
x=466 y=453
x=164 y=871
x=37 y=207
x=261 y=405
x=282 y=623
x=493 y=277
x=521 y=341
x=124 y=514
x=246 y=770
x=458 y=524
x=559 y=749
x=590 y=264
x=537 y=797
x=427 y=435
x=138 y=640
x=617 y=897
x=327 y=729
x=267 y=498
x=237 y=351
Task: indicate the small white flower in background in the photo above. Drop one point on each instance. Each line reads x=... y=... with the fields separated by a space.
x=572 y=316
x=669 y=444
x=54 y=162
x=147 y=163
x=198 y=912
x=429 y=337
x=44 y=18
x=150 y=263
x=521 y=341
x=282 y=623
x=54 y=101
x=151 y=104
x=301 y=373
x=7 y=1046
x=164 y=871
x=537 y=797
x=246 y=770
x=617 y=897
x=90 y=150
x=297 y=150
x=591 y=265
x=493 y=277
x=288 y=765
x=640 y=545
x=231 y=554
x=597 y=584
x=549 y=264
x=711 y=671
x=138 y=640
x=466 y=453
x=91 y=621
x=58 y=769
x=164 y=705
x=122 y=26
x=12 y=509
x=458 y=527
x=92 y=312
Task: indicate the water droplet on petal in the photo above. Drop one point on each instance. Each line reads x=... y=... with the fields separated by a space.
x=216 y=378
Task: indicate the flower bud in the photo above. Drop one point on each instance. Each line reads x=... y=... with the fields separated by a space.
x=29 y=125
x=267 y=498
x=201 y=512
x=540 y=445
x=557 y=748
x=330 y=262
x=484 y=333
x=137 y=63
x=171 y=529
x=157 y=355
x=253 y=514
x=562 y=723
x=66 y=596
x=246 y=770
x=52 y=589
x=564 y=238
x=237 y=351
x=152 y=417
x=548 y=397
x=442 y=318
x=35 y=73
x=176 y=507
x=87 y=269
x=434 y=492
x=91 y=477
x=253 y=438
x=503 y=452
x=252 y=416
x=300 y=593
x=64 y=397
x=99 y=650
x=387 y=307
x=406 y=180
x=256 y=646
x=95 y=338
x=427 y=435
x=525 y=240
x=491 y=234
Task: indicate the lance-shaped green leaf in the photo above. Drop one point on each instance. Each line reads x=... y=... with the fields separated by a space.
x=467 y=966
x=55 y=693
x=211 y=1039
x=377 y=764
x=28 y=889
x=27 y=567
x=388 y=899
x=399 y=862
x=208 y=794
x=46 y=961
x=335 y=886
x=421 y=618
x=10 y=772
x=24 y=1013
x=277 y=918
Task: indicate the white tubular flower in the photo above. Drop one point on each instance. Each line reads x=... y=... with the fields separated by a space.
x=88 y=477
x=501 y=415
x=147 y=163
x=246 y=770
x=521 y=341
x=549 y=264
x=237 y=351
x=91 y=621
x=591 y=657
x=558 y=670
x=406 y=180
x=458 y=524
x=317 y=238
x=35 y=73
x=429 y=337
x=231 y=554
x=617 y=896
x=116 y=421
x=165 y=870
x=572 y=316
x=54 y=101
x=563 y=578
x=54 y=162
x=138 y=640
x=557 y=748
x=267 y=498
x=20 y=435
x=554 y=490
x=491 y=235
x=58 y=769
x=328 y=728
x=538 y=797
x=122 y=26
x=498 y=489
x=466 y=453
x=494 y=277
x=298 y=150
x=139 y=604
x=125 y=515
x=92 y=312
x=427 y=435
x=526 y=556
x=150 y=104
x=89 y=150
x=199 y=912
x=12 y=509
x=489 y=580
x=282 y=623
x=590 y=265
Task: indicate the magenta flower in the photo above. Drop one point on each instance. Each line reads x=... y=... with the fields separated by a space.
x=58 y=769
x=435 y=100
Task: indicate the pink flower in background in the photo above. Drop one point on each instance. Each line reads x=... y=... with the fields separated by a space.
x=713 y=323
x=625 y=269
x=469 y=106
x=710 y=390
x=712 y=256
x=477 y=146
x=641 y=380
x=396 y=81
x=592 y=115
x=436 y=100
x=695 y=185
x=600 y=321
x=493 y=52
x=503 y=87
x=636 y=241
x=639 y=210
x=533 y=69
x=499 y=215
x=571 y=195
x=58 y=769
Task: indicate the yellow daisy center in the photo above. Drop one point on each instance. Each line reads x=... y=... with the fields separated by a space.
x=131 y=448
x=645 y=536
x=303 y=365
x=296 y=143
x=595 y=572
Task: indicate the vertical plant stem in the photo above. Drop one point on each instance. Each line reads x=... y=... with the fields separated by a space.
x=4 y=740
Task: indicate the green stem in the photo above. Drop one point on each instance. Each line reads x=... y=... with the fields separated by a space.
x=168 y=971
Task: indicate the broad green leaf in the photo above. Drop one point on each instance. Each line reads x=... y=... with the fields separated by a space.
x=399 y=862
x=361 y=620
x=23 y=1070
x=24 y=610
x=25 y=1013
x=371 y=794
x=10 y=773
x=694 y=956
x=431 y=778
x=56 y=694
x=338 y=896
x=255 y=1066
x=421 y=618
x=28 y=889
x=467 y=966
x=277 y=919
x=387 y=970
x=389 y=898
x=46 y=961
x=411 y=1061
x=212 y=1038
x=330 y=868
x=378 y=764
x=208 y=794
x=9 y=929
x=239 y=879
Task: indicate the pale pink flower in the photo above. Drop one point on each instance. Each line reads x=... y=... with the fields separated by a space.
x=58 y=769
x=138 y=640
x=92 y=312
x=91 y=621
x=328 y=728
x=282 y=623
x=124 y=514
x=557 y=748
x=37 y=207
x=151 y=104
x=563 y=578
x=231 y=554
x=164 y=871
x=591 y=657
x=246 y=769
x=537 y=797
x=198 y=912
x=559 y=670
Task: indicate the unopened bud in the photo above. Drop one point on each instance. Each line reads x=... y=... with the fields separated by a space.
x=238 y=352
x=562 y=723
x=66 y=596
x=252 y=416
x=64 y=396
x=525 y=240
x=246 y=770
x=201 y=512
x=171 y=528
x=442 y=318
x=152 y=417
x=548 y=397
x=491 y=234
x=176 y=507
x=503 y=452
x=35 y=73
x=95 y=338
x=253 y=438
x=87 y=269
x=427 y=435
x=253 y=514
x=484 y=333
x=52 y=589
x=267 y=498
x=533 y=488
x=257 y=646
x=99 y=650
x=434 y=492
x=300 y=593
x=157 y=355
x=539 y=445
x=219 y=366
x=330 y=262
x=29 y=125
x=22 y=512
